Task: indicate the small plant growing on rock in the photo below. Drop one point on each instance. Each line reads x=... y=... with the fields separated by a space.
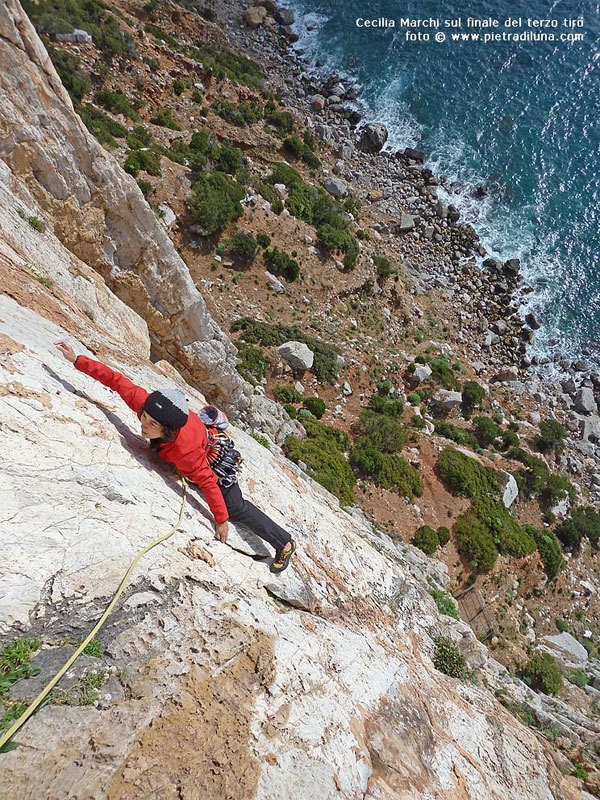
x=164 y=118
x=448 y=659
x=445 y=603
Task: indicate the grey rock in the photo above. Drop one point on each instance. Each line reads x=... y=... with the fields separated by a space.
x=506 y=374
x=274 y=283
x=566 y=649
x=446 y=400
x=511 y=490
x=285 y=16
x=422 y=373
x=585 y=402
x=415 y=155
x=77 y=36
x=406 y=224
x=297 y=354
x=372 y=137
x=590 y=428
x=336 y=187
x=255 y=17
x=318 y=102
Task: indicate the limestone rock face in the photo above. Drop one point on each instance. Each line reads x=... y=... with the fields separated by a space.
x=566 y=649
x=373 y=136
x=98 y=214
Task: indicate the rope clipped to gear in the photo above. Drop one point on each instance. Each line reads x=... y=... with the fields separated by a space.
x=6 y=737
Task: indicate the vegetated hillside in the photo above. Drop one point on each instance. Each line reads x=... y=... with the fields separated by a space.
x=200 y=130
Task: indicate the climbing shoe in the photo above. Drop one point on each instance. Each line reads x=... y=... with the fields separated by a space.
x=282 y=557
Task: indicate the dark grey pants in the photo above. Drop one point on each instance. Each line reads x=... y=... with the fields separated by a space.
x=243 y=511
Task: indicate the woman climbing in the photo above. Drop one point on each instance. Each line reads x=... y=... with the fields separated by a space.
x=182 y=438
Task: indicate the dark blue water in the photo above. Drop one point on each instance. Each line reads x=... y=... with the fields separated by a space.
x=521 y=118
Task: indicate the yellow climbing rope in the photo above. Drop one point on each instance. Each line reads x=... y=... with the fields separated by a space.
x=48 y=688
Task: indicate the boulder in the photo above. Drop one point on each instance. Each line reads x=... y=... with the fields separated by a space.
x=566 y=649
x=268 y=4
x=274 y=283
x=590 y=428
x=255 y=16
x=406 y=224
x=511 y=490
x=422 y=373
x=585 y=402
x=284 y=16
x=76 y=36
x=446 y=400
x=506 y=374
x=318 y=102
x=415 y=155
x=336 y=187
x=297 y=354
x=373 y=136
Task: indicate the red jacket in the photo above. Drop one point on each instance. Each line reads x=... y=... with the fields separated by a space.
x=187 y=452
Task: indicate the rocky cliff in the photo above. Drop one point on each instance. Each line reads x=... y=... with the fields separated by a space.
x=61 y=176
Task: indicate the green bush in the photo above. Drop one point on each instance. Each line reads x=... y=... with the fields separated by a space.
x=583 y=522
x=74 y=79
x=323 y=453
x=279 y=263
x=146 y=160
x=552 y=437
x=389 y=471
x=473 y=396
x=426 y=539
x=116 y=103
x=384 y=433
x=341 y=241
x=475 y=542
x=442 y=373
x=263 y=239
x=549 y=549
x=287 y=394
x=387 y=406
x=561 y=625
x=578 y=678
x=509 y=439
x=315 y=405
x=291 y=410
x=486 y=431
x=558 y=487
x=146 y=188
x=179 y=87
x=509 y=537
x=443 y=535
x=228 y=158
x=164 y=118
x=215 y=202
x=100 y=125
x=464 y=476
x=383 y=266
x=414 y=399
x=325 y=365
x=543 y=673
x=456 y=434
x=242 y=246
x=251 y=364
x=445 y=603
x=295 y=146
x=282 y=120
x=224 y=63
x=241 y=115
x=139 y=137
x=448 y=659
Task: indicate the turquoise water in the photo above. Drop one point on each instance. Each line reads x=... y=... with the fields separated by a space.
x=520 y=117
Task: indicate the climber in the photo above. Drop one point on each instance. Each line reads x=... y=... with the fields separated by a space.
x=181 y=438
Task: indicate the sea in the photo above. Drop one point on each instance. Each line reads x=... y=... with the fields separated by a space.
x=502 y=95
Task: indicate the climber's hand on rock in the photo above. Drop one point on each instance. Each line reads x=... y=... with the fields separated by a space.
x=222 y=530
x=66 y=350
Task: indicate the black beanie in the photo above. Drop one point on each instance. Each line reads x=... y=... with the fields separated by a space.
x=170 y=408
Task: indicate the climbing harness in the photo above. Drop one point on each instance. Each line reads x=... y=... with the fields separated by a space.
x=6 y=737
